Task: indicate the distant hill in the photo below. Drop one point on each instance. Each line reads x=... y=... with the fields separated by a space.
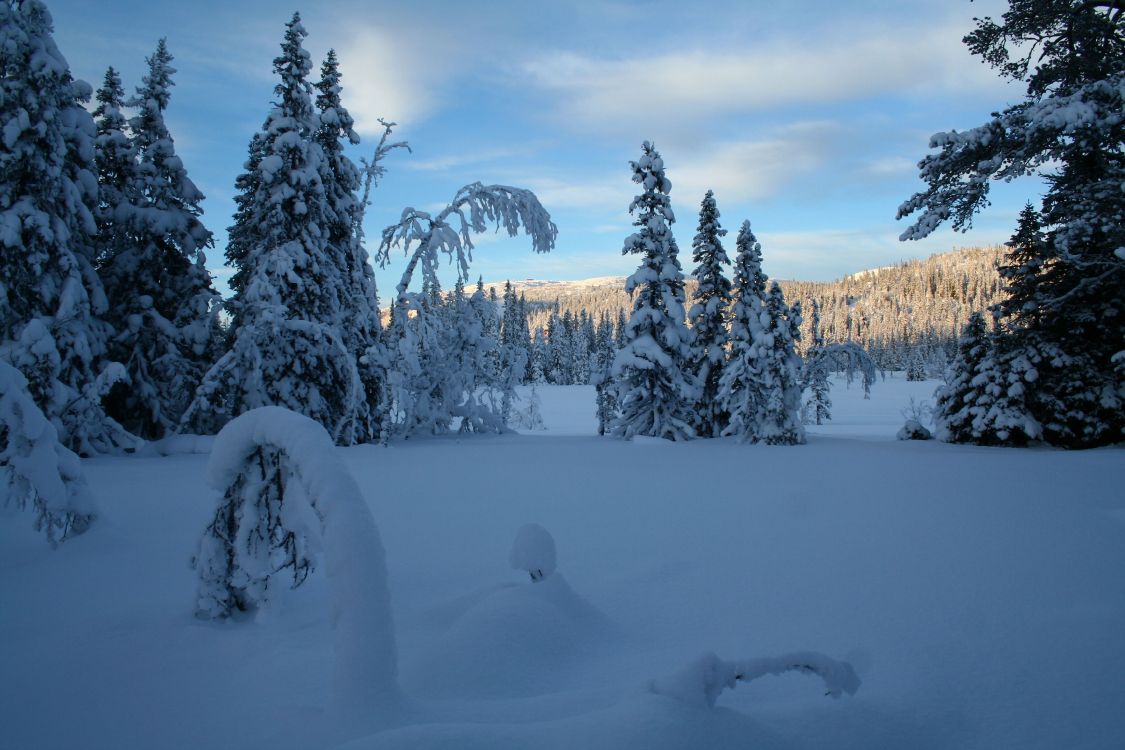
x=914 y=303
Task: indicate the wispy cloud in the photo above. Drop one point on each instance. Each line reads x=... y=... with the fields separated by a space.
x=690 y=86
x=381 y=84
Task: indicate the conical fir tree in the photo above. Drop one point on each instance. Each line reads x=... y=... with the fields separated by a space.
x=50 y=295
x=161 y=303
x=653 y=381
x=289 y=347
x=741 y=383
x=708 y=317
x=778 y=419
x=959 y=402
x=344 y=210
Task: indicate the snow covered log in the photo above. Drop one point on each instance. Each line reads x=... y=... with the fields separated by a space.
x=701 y=682
x=35 y=468
x=274 y=465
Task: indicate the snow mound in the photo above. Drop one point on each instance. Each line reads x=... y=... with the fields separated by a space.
x=512 y=641
x=533 y=551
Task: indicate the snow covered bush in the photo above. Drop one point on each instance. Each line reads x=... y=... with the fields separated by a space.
x=701 y=682
x=533 y=551
x=287 y=499
x=35 y=469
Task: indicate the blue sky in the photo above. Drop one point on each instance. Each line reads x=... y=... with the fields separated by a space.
x=806 y=117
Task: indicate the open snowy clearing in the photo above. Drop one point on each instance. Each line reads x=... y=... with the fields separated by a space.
x=978 y=592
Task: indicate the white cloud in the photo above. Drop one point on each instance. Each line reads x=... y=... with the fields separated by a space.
x=753 y=169
x=691 y=86
x=393 y=74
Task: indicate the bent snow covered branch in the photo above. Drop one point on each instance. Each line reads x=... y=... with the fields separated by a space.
x=702 y=681
x=35 y=468
x=273 y=466
x=471 y=211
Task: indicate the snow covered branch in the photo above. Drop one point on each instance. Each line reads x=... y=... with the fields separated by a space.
x=701 y=682
x=269 y=462
x=471 y=211
x=37 y=470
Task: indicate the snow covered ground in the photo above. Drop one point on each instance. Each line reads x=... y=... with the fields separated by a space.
x=979 y=592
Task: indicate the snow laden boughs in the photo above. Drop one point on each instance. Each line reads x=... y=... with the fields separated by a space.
x=50 y=295
x=151 y=259
x=35 y=469
x=848 y=357
x=983 y=399
x=427 y=338
x=287 y=500
x=701 y=682
x=303 y=298
x=655 y=388
x=1065 y=277
x=760 y=382
x=473 y=210
x=344 y=211
x=818 y=406
x=708 y=316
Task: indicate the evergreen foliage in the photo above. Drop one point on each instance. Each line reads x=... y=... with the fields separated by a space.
x=653 y=381
x=743 y=377
x=51 y=298
x=708 y=316
x=151 y=259
x=35 y=469
x=1066 y=274
x=290 y=326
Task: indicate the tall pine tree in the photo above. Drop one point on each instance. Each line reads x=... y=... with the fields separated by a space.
x=290 y=347
x=708 y=317
x=161 y=303
x=50 y=295
x=741 y=384
x=653 y=381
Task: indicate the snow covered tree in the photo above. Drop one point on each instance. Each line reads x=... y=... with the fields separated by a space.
x=601 y=376
x=50 y=295
x=818 y=407
x=344 y=211
x=708 y=318
x=655 y=388
x=1065 y=286
x=289 y=324
x=741 y=383
x=35 y=469
x=778 y=419
x=288 y=500
x=416 y=407
x=151 y=259
x=957 y=402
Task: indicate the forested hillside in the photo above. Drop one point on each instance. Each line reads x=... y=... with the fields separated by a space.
x=916 y=306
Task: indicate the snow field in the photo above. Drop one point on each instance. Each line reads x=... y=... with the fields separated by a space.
x=977 y=591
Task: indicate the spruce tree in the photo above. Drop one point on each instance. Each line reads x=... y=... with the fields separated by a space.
x=161 y=303
x=51 y=298
x=1066 y=280
x=708 y=317
x=778 y=420
x=290 y=346
x=654 y=385
x=959 y=401
x=359 y=301
x=818 y=408
x=742 y=380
